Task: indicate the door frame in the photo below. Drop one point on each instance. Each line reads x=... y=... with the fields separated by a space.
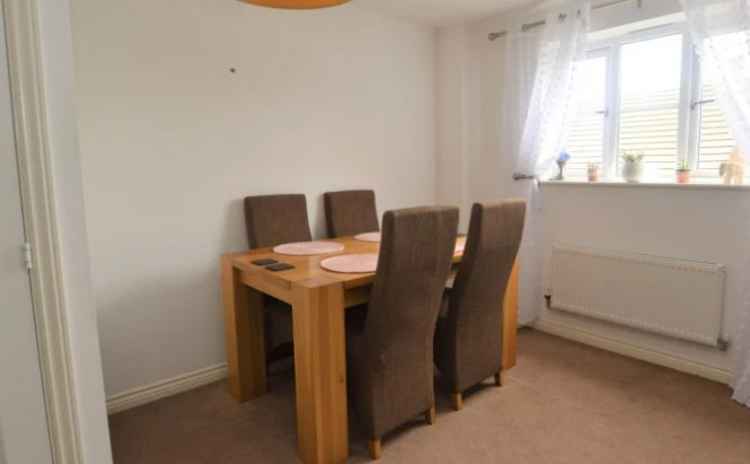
x=37 y=199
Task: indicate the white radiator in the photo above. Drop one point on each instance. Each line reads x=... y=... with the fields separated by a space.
x=672 y=297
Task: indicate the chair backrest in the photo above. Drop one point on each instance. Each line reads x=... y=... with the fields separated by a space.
x=350 y=213
x=474 y=313
x=416 y=253
x=275 y=219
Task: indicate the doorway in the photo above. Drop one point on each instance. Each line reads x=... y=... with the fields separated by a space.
x=24 y=436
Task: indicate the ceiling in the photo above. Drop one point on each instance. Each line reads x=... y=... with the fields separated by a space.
x=441 y=12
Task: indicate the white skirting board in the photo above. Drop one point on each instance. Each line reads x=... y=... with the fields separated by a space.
x=633 y=351
x=148 y=393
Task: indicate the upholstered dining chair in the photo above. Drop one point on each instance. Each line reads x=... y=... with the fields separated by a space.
x=273 y=220
x=468 y=343
x=276 y=219
x=390 y=356
x=350 y=212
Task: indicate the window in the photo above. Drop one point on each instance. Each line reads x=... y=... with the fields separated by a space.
x=715 y=142
x=646 y=93
x=586 y=138
x=650 y=81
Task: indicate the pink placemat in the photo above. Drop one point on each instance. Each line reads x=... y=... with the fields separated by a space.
x=368 y=237
x=308 y=248
x=351 y=264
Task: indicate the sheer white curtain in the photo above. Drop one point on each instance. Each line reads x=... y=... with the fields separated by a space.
x=721 y=33
x=563 y=42
x=521 y=49
x=539 y=77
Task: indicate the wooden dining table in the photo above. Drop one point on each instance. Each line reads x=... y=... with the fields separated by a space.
x=319 y=300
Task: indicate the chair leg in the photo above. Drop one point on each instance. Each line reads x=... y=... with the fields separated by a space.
x=458 y=401
x=376 y=449
x=430 y=415
x=499 y=379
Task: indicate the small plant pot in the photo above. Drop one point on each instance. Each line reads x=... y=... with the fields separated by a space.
x=683 y=176
x=632 y=171
x=561 y=170
x=593 y=173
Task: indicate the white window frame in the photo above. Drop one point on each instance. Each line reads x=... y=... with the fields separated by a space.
x=690 y=94
x=697 y=101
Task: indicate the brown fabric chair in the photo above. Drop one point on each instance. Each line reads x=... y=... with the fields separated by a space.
x=272 y=220
x=350 y=213
x=469 y=338
x=275 y=219
x=391 y=357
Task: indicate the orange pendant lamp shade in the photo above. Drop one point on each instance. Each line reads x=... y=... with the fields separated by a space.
x=297 y=4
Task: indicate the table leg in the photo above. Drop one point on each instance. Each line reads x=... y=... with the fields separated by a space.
x=244 y=334
x=320 y=373
x=510 y=320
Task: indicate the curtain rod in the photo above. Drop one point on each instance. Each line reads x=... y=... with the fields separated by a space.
x=496 y=35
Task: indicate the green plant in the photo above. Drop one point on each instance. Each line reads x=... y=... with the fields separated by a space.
x=630 y=156
x=683 y=166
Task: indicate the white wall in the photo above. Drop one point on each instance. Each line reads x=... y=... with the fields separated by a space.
x=57 y=63
x=453 y=138
x=172 y=141
x=694 y=224
x=702 y=224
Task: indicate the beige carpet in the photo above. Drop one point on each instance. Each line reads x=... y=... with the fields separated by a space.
x=564 y=403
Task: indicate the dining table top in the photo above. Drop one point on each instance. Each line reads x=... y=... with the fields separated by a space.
x=308 y=269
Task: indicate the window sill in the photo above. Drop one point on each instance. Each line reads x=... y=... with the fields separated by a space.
x=650 y=184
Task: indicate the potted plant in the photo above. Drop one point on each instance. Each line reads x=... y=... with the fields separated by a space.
x=683 y=173
x=593 y=172
x=562 y=160
x=732 y=171
x=632 y=167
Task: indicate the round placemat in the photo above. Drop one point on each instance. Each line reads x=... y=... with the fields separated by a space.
x=308 y=248
x=368 y=237
x=351 y=264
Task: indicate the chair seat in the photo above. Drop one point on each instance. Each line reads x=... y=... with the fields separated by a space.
x=354 y=349
x=277 y=306
x=356 y=318
x=355 y=331
x=278 y=329
x=279 y=318
x=355 y=343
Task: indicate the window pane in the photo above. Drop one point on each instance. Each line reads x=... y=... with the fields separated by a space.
x=650 y=102
x=715 y=142
x=586 y=137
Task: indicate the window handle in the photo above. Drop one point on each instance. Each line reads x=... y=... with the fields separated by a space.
x=698 y=103
x=604 y=112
